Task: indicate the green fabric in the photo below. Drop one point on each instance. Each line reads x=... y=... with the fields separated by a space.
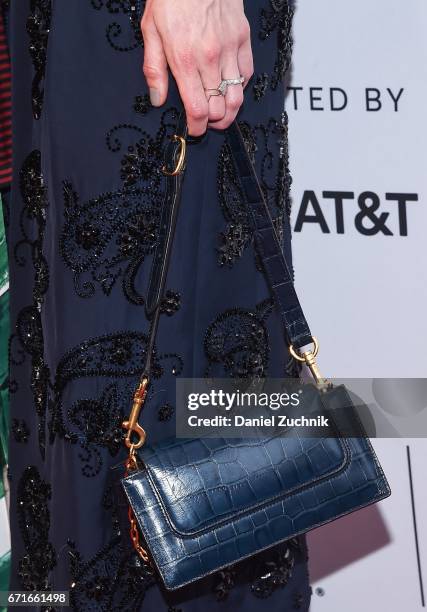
x=4 y=396
x=4 y=574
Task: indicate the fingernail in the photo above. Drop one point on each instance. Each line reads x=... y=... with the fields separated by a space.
x=154 y=96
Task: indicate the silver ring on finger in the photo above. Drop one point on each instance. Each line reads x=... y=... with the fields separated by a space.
x=221 y=90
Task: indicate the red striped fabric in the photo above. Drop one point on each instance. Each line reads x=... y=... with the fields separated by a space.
x=5 y=111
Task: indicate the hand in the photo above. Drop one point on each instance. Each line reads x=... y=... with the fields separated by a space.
x=203 y=42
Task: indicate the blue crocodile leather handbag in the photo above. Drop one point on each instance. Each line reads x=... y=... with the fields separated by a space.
x=190 y=514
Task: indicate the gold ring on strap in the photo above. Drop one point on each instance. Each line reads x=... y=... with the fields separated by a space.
x=181 y=158
x=300 y=357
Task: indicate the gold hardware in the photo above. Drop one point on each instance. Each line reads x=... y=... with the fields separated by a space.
x=181 y=159
x=131 y=464
x=132 y=424
x=309 y=358
x=134 y=536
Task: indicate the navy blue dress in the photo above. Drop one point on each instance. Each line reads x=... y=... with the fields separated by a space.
x=83 y=224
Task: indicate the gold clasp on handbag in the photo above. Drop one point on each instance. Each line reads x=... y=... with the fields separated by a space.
x=132 y=425
x=181 y=158
x=309 y=358
x=134 y=428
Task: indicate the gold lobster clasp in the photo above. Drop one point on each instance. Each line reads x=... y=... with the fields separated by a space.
x=132 y=425
x=309 y=358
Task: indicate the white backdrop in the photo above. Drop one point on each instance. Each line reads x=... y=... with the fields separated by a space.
x=365 y=295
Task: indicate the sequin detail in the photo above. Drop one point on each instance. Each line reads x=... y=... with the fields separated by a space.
x=128 y=14
x=33 y=223
x=108 y=237
x=28 y=337
x=93 y=424
x=97 y=425
x=276 y=572
x=267 y=145
x=33 y=495
x=277 y=18
x=236 y=343
x=38 y=27
x=142 y=104
x=20 y=430
x=225 y=580
x=166 y=412
x=171 y=303
x=114 y=579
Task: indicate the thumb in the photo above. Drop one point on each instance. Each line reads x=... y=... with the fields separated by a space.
x=155 y=65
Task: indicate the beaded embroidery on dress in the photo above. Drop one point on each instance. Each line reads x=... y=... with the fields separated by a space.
x=84 y=222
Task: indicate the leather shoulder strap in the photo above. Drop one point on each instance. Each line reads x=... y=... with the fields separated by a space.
x=267 y=244
x=168 y=217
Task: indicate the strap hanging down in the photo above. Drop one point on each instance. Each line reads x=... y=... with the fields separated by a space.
x=274 y=263
x=174 y=170
x=267 y=244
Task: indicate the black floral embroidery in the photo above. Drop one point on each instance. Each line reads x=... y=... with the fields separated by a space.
x=123 y=221
x=38 y=27
x=166 y=412
x=98 y=425
x=114 y=579
x=261 y=85
x=143 y=158
x=94 y=424
x=33 y=222
x=20 y=430
x=225 y=580
x=129 y=11
x=276 y=572
x=267 y=144
x=110 y=236
x=171 y=303
x=276 y=18
x=28 y=336
x=237 y=234
x=236 y=343
x=121 y=354
x=33 y=495
x=142 y=104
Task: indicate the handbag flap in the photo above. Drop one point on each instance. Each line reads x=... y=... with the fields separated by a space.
x=201 y=483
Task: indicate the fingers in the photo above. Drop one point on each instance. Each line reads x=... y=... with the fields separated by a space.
x=210 y=74
x=155 y=64
x=184 y=69
x=183 y=66
x=216 y=106
x=216 y=47
x=245 y=61
x=234 y=96
x=235 y=62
